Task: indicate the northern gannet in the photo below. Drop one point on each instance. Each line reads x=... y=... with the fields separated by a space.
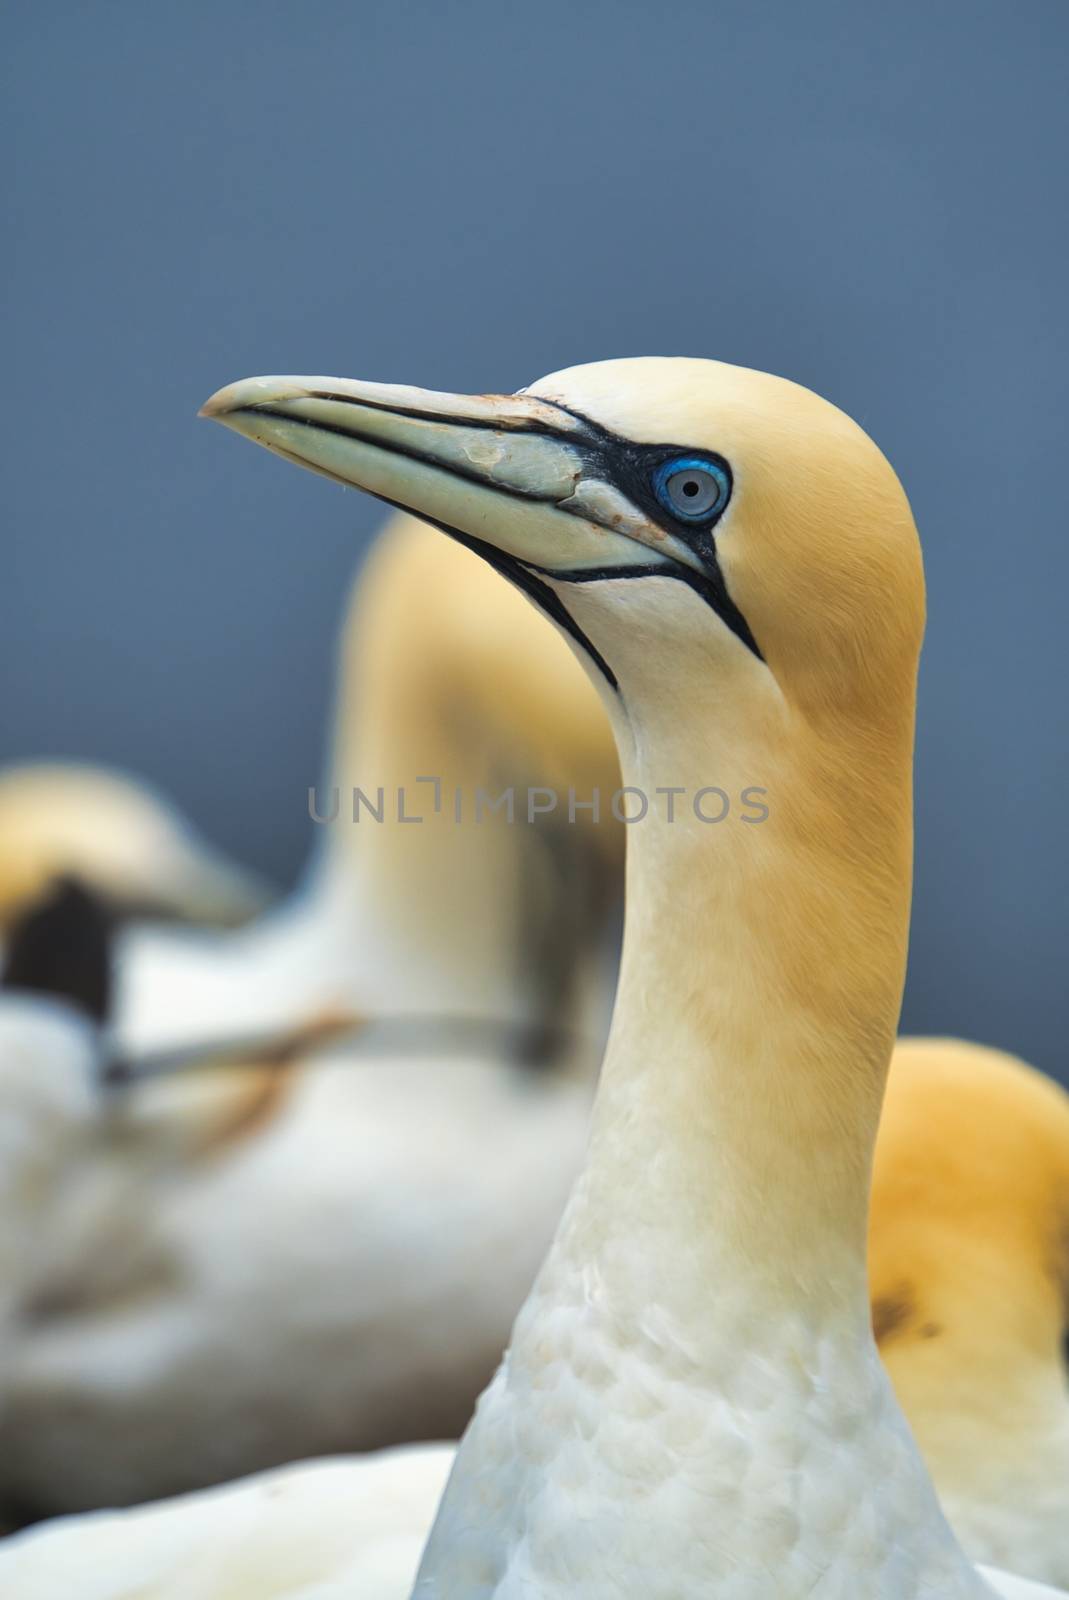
x=969 y=1277
x=738 y=565
x=692 y=1401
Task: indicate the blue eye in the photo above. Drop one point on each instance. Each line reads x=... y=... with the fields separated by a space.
x=691 y=488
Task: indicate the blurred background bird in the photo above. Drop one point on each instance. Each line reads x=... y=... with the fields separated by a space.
x=312 y=1232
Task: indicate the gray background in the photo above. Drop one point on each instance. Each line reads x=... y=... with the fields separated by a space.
x=867 y=198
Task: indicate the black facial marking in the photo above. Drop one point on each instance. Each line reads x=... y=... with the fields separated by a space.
x=61 y=946
x=630 y=467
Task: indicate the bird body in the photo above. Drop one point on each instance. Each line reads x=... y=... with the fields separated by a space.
x=216 y=1294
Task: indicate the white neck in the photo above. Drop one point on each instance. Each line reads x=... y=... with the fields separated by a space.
x=692 y=1397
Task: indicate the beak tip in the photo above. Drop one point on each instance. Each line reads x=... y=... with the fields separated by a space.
x=217 y=405
x=250 y=392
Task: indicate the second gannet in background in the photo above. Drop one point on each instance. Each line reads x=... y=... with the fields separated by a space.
x=118 y=837
x=251 y=1263
x=190 y=1248
x=969 y=1262
x=692 y=1402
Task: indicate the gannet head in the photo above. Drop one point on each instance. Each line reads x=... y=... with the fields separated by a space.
x=734 y=522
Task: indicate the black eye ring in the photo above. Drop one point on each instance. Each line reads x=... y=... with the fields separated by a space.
x=691 y=488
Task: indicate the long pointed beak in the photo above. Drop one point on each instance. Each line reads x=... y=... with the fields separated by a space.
x=513 y=473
